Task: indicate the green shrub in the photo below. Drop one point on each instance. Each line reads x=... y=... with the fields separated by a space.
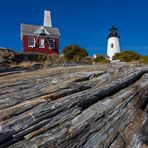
x=101 y=58
x=41 y=58
x=54 y=58
x=74 y=53
x=144 y=59
x=32 y=57
x=127 y=56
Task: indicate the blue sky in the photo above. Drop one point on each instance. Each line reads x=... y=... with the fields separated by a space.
x=83 y=22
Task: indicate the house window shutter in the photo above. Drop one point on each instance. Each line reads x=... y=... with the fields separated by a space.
x=31 y=42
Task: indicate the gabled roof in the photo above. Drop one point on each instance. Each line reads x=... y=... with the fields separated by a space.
x=42 y=30
x=31 y=29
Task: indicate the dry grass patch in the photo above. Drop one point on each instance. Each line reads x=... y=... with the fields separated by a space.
x=24 y=64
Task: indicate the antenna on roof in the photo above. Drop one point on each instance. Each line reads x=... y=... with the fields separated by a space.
x=47 y=19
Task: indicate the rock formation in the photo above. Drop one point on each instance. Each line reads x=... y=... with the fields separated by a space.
x=6 y=55
x=81 y=106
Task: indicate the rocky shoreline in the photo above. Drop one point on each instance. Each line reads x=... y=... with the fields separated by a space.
x=77 y=106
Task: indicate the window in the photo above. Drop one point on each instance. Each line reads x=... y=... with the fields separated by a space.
x=31 y=42
x=112 y=45
x=42 y=43
x=51 y=43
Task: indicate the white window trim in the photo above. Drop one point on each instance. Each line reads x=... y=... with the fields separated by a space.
x=53 y=44
x=33 y=41
x=40 y=43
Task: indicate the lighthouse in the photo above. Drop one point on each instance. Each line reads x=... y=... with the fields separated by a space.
x=113 y=43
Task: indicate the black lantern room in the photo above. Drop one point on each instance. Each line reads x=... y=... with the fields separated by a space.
x=113 y=32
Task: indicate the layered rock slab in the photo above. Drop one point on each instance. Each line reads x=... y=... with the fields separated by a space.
x=86 y=106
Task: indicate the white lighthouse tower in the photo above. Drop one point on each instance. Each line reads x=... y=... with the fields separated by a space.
x=113 y=45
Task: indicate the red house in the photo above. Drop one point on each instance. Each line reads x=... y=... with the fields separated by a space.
x=41 y=39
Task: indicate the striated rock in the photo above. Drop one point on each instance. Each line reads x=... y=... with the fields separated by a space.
x=80 y=106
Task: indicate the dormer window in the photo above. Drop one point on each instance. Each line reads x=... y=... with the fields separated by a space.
x=31 y=41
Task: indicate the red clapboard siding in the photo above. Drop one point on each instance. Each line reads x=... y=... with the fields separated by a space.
x=36 y=49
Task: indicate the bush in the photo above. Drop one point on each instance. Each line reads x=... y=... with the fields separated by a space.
x=127 y=56
x=144 y=59
x=32 y=57
x=53 y=58
x=74 y=53
x=101 y=58
x=41 y=58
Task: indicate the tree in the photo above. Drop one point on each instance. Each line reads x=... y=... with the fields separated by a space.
x=74 y=53
x=127 y=56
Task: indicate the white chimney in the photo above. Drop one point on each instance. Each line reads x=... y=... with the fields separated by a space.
x=47 y=19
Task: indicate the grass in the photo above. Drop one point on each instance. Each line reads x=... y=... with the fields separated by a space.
x=24 y=64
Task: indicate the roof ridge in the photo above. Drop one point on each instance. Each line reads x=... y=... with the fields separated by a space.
x=27 y=28
x=38 y=26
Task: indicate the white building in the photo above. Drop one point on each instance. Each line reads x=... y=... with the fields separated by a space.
x=113 y=43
